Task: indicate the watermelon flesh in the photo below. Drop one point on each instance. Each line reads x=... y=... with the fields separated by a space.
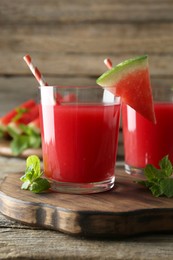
x=30 y=115
x=135 y=90
x=26 y=118
x=130 y=80
x=6 y=119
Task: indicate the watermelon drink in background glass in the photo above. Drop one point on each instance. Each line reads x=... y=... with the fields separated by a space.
x=144 y=141
x=79 y=128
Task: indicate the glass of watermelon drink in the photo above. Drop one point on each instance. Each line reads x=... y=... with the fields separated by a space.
x=79 y=128
x=144 y=141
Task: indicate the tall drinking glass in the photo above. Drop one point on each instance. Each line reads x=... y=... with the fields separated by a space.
x=79 y=128
x=145 y=142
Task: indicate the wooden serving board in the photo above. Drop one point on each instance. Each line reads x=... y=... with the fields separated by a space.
x=128 y=209
x=5 y=150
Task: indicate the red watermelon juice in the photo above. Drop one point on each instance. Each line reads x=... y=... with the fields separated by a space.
x=79 y=140
x=145 y=142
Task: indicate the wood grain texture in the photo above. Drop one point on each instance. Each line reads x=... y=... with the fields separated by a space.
x=125 y=211
x=72 y=39
x=23 y=242
x=86 y=11
x=19 y=241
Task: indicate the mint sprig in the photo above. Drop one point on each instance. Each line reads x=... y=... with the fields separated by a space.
x=159 y=181
x=32 y=179
x=28 y=138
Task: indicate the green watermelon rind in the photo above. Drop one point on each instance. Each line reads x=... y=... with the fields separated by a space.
x=114 y=75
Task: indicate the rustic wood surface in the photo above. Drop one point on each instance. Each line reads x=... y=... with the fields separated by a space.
x=18 y=241
x=68 y=40
x=107 y=214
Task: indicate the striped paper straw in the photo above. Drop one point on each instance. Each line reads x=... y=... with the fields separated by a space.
x=35 y=71
x=108 y=63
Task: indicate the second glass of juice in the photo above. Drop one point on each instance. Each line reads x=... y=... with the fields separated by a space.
x=80 y=128
x=145 y=142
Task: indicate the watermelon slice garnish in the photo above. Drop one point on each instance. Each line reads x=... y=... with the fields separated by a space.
x=130 y=80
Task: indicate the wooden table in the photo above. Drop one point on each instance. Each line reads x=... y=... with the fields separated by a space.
x=18 y=241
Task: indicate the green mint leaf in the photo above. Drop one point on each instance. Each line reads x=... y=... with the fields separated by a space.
x=39 y=185
x=12 y=132
x=144 y=183
x=25 y=185
x=159 y=181
x=156 y=190
x=26 y=129
x=32 y=171
x=151 y=172
x=33 y=164
x=28 y=176
x=166 y=166
x=34 y=141
x=166 y=187
x=32 y=179
x=19 y=144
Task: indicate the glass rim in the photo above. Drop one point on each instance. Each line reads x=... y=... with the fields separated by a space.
x=71 y=87
x=86 y=94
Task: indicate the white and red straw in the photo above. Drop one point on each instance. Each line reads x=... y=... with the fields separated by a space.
x=35 y=71
x=108 y=63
